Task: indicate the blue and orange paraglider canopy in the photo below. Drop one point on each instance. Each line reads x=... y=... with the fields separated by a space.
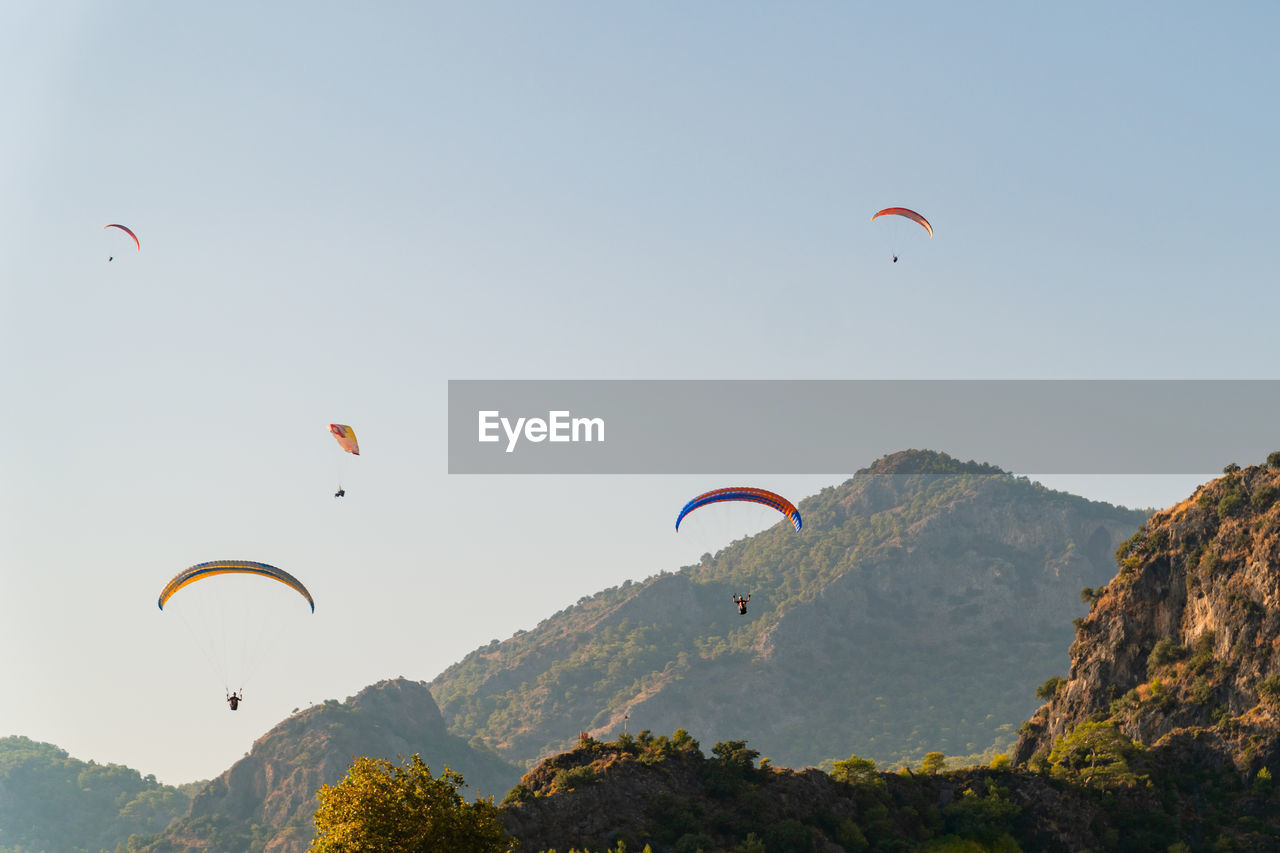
x=743 y=493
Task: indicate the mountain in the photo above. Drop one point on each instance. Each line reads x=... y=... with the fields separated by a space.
x=922 y=604
x=918 y=610
x=266 y=800
x=1164 y=735
x=50 y=801
x=1181 y=650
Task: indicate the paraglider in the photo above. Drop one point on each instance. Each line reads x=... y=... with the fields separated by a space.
x=743 y=493
x=126 y=230
x=909 y=214
x=742 y=603
x=235 y=621
x=346 y=438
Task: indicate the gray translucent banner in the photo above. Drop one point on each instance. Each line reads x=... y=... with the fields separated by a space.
x=838 y=426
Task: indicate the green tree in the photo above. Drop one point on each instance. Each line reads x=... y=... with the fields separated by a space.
x=788 y=836
x=857 y=771
x=1096 y=754
x=1167 y=651
x=1047 y=690
x=1232 y=502
x=1262 y=782
x=934 y=762
x=381 y=808
x=682 y=740
x=1269 y=691
x=982 y=817
x=734 y=753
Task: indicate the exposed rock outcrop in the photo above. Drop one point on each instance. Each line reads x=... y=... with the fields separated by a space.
x=1181 y=651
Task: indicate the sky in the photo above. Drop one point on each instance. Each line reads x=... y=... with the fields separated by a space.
x=341 y=209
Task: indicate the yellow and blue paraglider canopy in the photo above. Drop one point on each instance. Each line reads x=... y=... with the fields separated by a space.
x=201 y=571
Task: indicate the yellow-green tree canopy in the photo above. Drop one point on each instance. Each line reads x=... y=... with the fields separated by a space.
x=381 y=808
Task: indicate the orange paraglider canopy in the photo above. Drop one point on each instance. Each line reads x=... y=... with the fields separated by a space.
x=126 y=230
x=909 y=214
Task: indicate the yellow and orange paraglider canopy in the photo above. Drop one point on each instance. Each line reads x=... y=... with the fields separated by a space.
x=346 y=437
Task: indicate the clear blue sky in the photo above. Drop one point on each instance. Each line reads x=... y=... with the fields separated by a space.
x=343 y=207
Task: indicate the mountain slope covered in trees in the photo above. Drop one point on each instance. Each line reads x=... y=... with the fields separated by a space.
x=266 y=800
x=922 y=604
x=51 y=801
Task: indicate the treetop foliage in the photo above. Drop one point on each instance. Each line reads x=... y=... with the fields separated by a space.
x=383 y=808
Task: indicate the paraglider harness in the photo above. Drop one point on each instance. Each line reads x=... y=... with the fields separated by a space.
x=234 y=699
x=742 y=603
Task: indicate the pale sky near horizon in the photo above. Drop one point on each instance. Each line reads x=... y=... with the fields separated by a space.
x=342 y=208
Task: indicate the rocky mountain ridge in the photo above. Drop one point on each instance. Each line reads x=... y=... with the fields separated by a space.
x=1180 y=652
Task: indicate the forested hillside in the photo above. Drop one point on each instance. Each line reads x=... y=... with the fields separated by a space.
x=50 y=801
x=265 y=801
x=918 y=610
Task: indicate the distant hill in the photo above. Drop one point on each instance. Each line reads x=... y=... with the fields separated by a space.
x=50 y=801
x=266 y=801
x=922 y=604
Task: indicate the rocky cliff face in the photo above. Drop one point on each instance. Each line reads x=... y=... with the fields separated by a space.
x=267 y=799
x=1181 y=650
